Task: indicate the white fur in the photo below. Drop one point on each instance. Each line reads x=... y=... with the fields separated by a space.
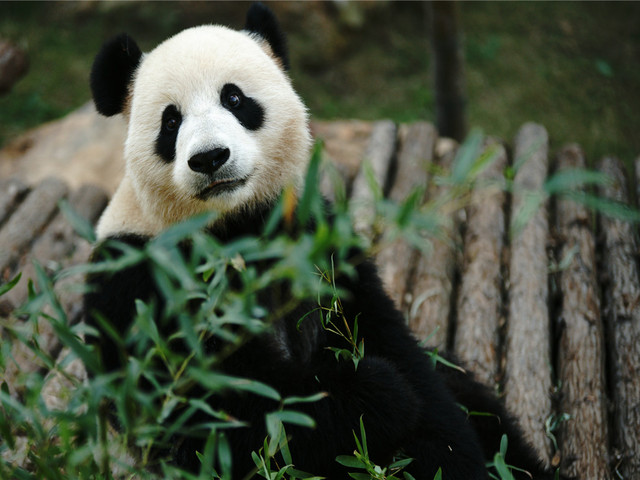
x=189 y=71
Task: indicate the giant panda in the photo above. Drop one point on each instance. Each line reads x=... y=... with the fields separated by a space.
x=214 y=125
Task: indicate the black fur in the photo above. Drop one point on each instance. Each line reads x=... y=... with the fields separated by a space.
x=406 y=405
x=262 y=21
x=169 y=127
x=112 y=72
x=248 y=111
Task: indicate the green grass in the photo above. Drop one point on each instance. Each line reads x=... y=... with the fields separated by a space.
x=570 y=66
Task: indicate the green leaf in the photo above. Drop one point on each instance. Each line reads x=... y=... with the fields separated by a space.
x=79 y=224
x=401 y=463
x=294 y=418
x=363 y=436
x=605 y=206
x=504 y=443
x=5 y=287
x=217 y=381
x=501 y=467
x=183 y=230
x=570 y=179
x=604 y=68
x=466 y=156
x=349 y=461
x=360 y=476
x=224 y=455
x=5 y=423
x=437 y=358
x=310 y=197
x=293 y=473
x=310 y=399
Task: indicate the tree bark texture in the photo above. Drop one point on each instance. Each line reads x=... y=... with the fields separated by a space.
x=581 y=357
x=479 y=303
x=28 y=221
x=528 y=356
x=397 y=257
x=622 y=319
x=379 y=156
x=431 y=287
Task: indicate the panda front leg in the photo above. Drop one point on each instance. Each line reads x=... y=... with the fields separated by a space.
x=411 y=412
x=441 y=437
x=351 y=394
x=404 y=409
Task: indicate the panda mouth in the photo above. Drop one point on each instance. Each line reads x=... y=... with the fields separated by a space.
x=219 y=186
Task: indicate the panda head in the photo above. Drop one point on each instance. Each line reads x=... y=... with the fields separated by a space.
x=214 y=123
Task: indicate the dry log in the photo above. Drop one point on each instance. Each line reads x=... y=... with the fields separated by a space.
x=59 y=240
x=379 y=155
x=12 y=190
x=397 y=257
x=344 y=145
x=581 y=354
x=479 y=303
x=528 y=358
x=27 y=222
x=429 y=298
x=622 y=322
x=81 y=148
x=60 y=246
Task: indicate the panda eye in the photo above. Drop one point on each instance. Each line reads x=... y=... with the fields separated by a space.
x=171 y=124
x=234 y=100
x=171 y=119
x=246 y=109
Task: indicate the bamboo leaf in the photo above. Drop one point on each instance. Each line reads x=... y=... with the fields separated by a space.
x=349 y=461
x=5 y=287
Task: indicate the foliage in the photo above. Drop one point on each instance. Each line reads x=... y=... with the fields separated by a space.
x=69 y=432
x=360 y=460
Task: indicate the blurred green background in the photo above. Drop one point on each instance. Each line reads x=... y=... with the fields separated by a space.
x=572 y=66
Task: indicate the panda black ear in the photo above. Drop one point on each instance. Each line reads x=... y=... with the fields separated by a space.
x=112 y=72
x=262 y=21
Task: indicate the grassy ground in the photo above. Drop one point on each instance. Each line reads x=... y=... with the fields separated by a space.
x=570 y=66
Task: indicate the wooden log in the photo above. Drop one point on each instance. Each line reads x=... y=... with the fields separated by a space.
x=397 y=257
x=59 y=240
x=379 y=156
x=58 y=246
x=83 y=147
x=12 y=191
x=622 y=322
x=23 y=361
x=344 y=146
x=581 y=357
x=479 y=303
x=428 y=299
x=28 y=221
x=528 y=356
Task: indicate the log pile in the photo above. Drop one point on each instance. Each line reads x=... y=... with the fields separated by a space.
x=539 y=298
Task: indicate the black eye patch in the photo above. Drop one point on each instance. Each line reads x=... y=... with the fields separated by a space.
x=166 y=141
x=248 y=111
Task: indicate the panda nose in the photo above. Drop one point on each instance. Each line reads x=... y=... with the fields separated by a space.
x=209 y=162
